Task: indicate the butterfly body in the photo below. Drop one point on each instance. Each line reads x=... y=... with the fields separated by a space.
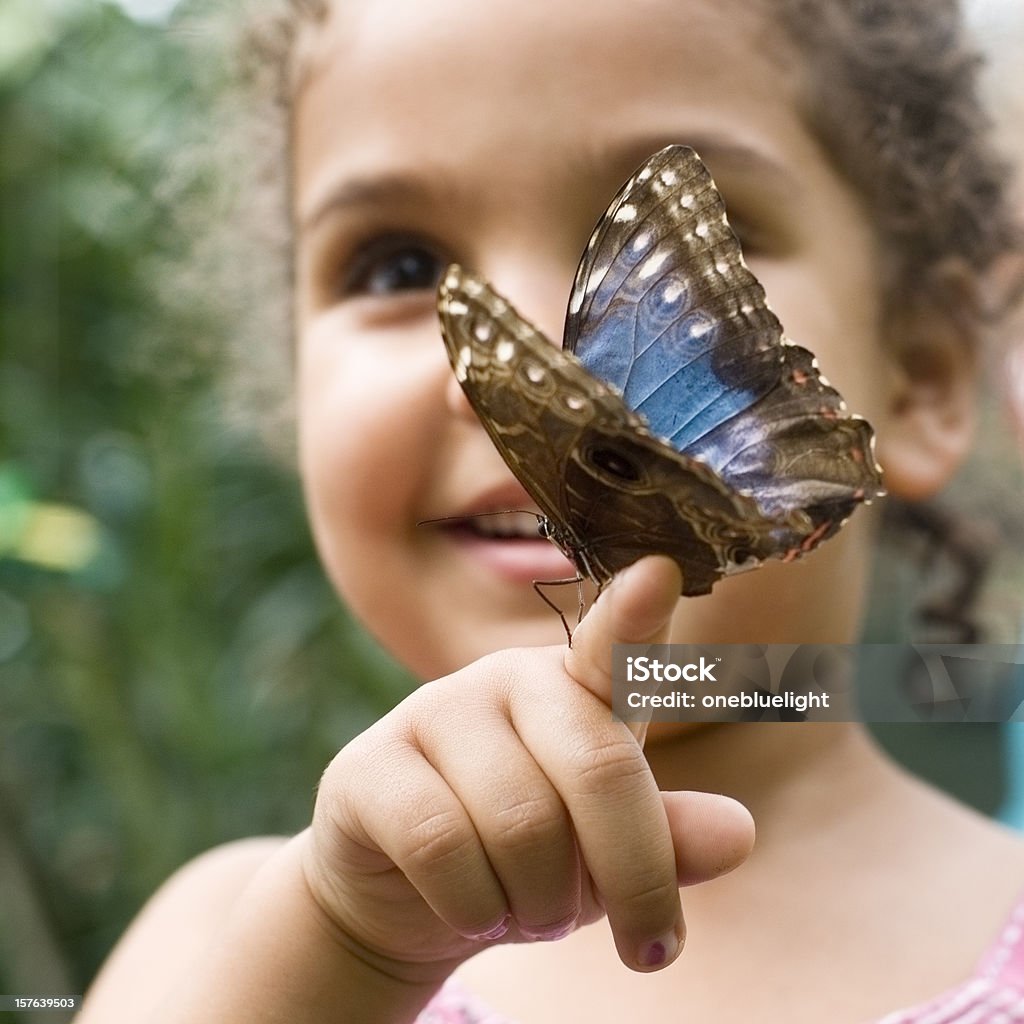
x=676 y=418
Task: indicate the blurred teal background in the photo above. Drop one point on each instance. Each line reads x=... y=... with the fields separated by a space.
x=174 y=670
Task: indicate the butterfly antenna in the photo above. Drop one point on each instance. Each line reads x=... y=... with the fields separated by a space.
x=478 y=515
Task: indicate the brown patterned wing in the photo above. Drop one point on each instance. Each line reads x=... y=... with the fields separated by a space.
x=610 y=491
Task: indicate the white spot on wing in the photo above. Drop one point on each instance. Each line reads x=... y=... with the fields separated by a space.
x=596 y=277
x=652 y=264
x=673 y=291
x=625 y=213
x=701 y=230
x=504 y=350
x=462 y=363
x=641 y=241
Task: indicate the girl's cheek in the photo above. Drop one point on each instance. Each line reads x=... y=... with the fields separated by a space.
x=369 y=407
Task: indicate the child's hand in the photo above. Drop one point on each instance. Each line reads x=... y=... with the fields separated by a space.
x=503 y=804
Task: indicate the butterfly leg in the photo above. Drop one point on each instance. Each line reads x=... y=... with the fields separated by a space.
x=578 y=580
x=579 y=598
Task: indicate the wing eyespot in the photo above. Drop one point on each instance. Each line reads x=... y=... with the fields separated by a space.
x=614 y=463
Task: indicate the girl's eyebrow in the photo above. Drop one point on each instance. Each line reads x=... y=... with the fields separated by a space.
x=726 y=153
x=376 y=190
x=390 y=188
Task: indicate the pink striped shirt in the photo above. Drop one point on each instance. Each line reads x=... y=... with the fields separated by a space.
x=994 y=994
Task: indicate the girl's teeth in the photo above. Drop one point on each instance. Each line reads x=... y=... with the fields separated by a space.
x=505 y=525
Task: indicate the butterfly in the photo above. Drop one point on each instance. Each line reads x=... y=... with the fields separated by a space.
x=676 y=418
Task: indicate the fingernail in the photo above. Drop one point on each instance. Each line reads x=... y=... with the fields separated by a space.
x=492 y=933
x=659 y=952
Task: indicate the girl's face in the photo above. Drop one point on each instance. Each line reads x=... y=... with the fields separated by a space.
x=494 y=135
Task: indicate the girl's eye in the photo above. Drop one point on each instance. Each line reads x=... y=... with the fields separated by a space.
x=390 y=265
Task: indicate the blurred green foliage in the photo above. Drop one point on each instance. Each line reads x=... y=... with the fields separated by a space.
x=174 y=670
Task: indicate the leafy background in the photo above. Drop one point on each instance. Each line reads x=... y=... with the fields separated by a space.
x=174 y=669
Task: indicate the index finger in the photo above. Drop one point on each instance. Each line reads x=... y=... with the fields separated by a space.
x=636 y=608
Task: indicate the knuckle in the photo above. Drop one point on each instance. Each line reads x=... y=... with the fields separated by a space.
x=436 y=840
x=518 y=670
x=535 y=820
x=345 y=780
x=334 y=790
x=612 y=766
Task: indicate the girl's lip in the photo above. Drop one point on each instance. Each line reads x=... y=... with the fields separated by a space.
x=516 y=559
x=506 y=497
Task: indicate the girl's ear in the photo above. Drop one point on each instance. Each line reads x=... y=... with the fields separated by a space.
x=930 y=417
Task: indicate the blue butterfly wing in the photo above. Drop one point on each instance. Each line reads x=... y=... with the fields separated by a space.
x=664 y=309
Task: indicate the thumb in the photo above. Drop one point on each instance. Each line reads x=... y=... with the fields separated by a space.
x=636 y=608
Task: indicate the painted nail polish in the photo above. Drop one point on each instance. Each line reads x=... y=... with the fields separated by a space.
x=660 y=951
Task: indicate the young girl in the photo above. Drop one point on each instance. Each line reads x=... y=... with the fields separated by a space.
x=497 y=847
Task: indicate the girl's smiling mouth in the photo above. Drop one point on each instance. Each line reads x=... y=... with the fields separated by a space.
x=500 y=531
x=510 y=525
